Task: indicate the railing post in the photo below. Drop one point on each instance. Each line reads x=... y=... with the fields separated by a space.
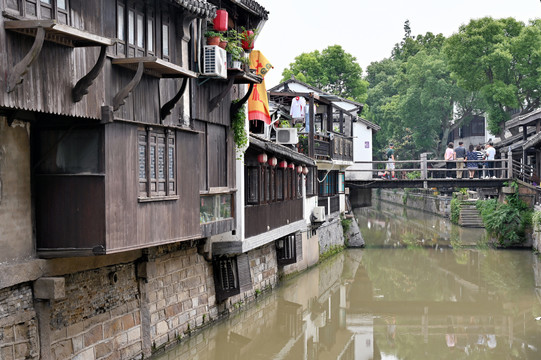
x=424 y=167
x=509 y=164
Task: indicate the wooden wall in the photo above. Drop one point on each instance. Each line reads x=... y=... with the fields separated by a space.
x=141 y=224
x=274 y=215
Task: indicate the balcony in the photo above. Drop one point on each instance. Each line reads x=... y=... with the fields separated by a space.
x=333 y=147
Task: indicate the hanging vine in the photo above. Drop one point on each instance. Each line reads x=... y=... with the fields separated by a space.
x=238 y=121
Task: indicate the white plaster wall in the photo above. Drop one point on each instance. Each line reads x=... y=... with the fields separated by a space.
x=362 y=136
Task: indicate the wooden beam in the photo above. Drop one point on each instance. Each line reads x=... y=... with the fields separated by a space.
x=121 y=96
x=166 y=109
x=16 y=75
x=81 y=88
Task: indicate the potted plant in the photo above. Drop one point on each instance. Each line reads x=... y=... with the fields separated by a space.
x=234 y=49
x=223 y=41
x=247 y=39
x=213 y=37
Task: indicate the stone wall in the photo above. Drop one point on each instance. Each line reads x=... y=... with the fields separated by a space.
x=18 y=324
x=415 y=199
x=330 y=235
x=99 y=318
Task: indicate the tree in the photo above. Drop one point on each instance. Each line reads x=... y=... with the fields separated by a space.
x=501 y=60
x=332 y=70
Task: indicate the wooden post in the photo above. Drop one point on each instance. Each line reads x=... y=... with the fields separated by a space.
x=424 y=167
x=311 y=127
x=330 y=119
x=509 y=164
x=341 y=122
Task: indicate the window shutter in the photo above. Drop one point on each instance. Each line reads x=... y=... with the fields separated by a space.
x=226 y=281
x=245 y=279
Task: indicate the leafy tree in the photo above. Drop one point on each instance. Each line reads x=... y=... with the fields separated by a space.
x=332 y=70
x=501 y=60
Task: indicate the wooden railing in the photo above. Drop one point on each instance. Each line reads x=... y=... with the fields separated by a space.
x=337 y=147
x=428 y=169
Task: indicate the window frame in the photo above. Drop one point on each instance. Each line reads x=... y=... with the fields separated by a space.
x=135 y=40
x=57 y=13
x=156 y=153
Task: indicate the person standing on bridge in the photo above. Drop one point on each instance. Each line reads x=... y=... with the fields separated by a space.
x=389 y=167
x=460 y=154
x=449 y=157
x=491 y=153
x=471 y=161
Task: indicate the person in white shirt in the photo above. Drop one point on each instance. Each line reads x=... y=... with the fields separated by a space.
x=491 y=154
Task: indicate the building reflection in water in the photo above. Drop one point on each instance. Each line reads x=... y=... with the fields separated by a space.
x=422 y=292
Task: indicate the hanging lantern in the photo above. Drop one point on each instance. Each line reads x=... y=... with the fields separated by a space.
x=299 y=169
x=221 y=20
x=291 y=166
x=262 y=158
x=273 y=161
x=283 y=164
x=305 y=170
x=248 y=40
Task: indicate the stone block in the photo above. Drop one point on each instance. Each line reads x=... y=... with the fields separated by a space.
x=6 y=353
x=50 y=288
x=128 y=322
x=121 y=340
x=132 y=351
x=134 y=334
x=162 y=328
x=77 y=343
x=112 y=328
x=94 y=335
x=22 y=351
x=104 y=348
x=62 y=349
x=88 y=354
x=75 y=329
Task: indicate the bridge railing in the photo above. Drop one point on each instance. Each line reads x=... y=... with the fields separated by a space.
x=428 y=169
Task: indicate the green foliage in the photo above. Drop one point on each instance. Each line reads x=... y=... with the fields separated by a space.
x=234 y=46
x=238 y=124
x=506 y=221
x=346 y=223
x=500 y=59
x=213 y=34
x=332 y=70
x=455 y=210
x=413 y=175
x=536 y=221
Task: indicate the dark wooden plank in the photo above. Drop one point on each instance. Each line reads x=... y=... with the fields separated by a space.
x=273 y=216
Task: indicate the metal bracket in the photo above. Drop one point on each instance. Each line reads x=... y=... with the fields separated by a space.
x=16 y=76
x=81 y=88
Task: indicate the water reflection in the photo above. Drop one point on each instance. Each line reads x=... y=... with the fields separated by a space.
x=401 y=299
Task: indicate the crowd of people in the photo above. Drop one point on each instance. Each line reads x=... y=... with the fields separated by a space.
x=478 y=160
x=473 y=162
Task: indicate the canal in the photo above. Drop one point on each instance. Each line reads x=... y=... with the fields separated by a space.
x=421 y=289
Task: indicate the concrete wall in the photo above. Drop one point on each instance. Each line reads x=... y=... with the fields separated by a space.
x=15 y=201
x=330 y=235
x=362 y=151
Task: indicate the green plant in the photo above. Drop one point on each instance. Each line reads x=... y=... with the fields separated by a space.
x=507 y=221
x=238 y=123
x=346 y=223
x=413 y=175
x=455 y=210
x=285 y=124
x=536 y=221
x=211 y=33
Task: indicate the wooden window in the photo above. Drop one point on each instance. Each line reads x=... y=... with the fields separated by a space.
x=231 y=276
x=279 y=184
x=299 y=185
x=252 y=185
x=341 y=182
x=135 y=29
x=289 y=249
x=311 y=182
x=157 y=163
x=272 y=184
x=165 y=41
x=42 y=9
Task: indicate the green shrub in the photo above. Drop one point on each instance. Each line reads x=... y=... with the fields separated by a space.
x=507 y=221
x=455 y=210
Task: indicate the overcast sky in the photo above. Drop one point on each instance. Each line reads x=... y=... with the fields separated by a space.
x=366 y=29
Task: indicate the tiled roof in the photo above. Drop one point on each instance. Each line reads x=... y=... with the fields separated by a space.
x=254 y=7
x=199 y=8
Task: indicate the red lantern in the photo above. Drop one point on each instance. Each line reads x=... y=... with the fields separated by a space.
x=299 y=169
x=220 y=21
x=248 y=42
x=305 y=170
x=273 y=161
x=283 y=164
x=291 y=166
x=262 y=158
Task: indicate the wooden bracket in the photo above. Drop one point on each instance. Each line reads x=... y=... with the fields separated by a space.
x=81 y=88
x=119 y=98
x=166 y=109
x=16 y=76
x=236 y=106
x=214 y=102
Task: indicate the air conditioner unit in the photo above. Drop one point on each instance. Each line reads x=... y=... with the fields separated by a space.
x=286 y=136
x=319 y=213
x=215 y=61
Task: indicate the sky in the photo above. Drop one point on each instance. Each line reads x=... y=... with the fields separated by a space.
x=368 y=30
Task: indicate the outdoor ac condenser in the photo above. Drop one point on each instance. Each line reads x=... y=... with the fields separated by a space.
x=215 y=61
x=286 y=136
x=319 y=213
